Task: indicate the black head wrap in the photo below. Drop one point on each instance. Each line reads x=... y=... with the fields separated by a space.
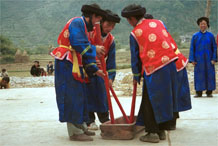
x=93 y=9
x=148 y=16
x=133 y=10
x=88 y=10
x=112 y=17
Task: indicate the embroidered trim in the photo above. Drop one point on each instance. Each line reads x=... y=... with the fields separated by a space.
x=184 y=65
x=87 y=65
x=84 y=51
x=137 y=75
x=149 y=73
x=111 y=70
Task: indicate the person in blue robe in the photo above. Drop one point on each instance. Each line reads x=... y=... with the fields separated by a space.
x=159 y=121
x=70 y=88
x=203 y=55
x=183 y=95
x=159 y=88
x=96 y=92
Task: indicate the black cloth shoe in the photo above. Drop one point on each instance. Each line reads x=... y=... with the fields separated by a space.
x=209 y=95
x=162 y=135
x=197 y=95
x=172 y=127
x=150 y=137
x=80 y=137
x=89 y=133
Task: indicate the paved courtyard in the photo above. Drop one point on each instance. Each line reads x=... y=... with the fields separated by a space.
x=29 y=117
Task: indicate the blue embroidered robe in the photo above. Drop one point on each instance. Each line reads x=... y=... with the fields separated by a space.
x=70 y=93
x=203 y=50
x=161 y=85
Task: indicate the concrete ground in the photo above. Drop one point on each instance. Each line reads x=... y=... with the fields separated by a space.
x=29 y=117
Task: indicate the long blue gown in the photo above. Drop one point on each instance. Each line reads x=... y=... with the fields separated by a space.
x=70 y=93
x=183 y=100
x=161 y=86
x=203 y=50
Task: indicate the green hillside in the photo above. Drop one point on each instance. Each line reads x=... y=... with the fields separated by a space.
x=31 y=23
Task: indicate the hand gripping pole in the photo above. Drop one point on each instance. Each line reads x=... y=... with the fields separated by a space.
x=106 y=80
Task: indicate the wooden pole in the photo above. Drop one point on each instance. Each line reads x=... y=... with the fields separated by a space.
x=120 y=106
x=106 y=81
x=132 y=113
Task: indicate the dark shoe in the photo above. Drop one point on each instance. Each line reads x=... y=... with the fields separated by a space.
x=196 y=96
x=150 y=137
x=162 y=135
x=80 y=137
x=209 y=95
x=89 y=133
x=172 y=127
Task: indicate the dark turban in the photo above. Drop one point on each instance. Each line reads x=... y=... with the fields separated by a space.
x=133 y=10
x=93 y=8
x=112 y=17
x=148 y=16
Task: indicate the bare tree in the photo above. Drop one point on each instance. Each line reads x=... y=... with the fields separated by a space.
x=208 y=8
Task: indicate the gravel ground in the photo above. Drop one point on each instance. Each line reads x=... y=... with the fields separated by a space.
x=122 y=83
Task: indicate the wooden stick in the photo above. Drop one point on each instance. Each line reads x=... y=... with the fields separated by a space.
x=106 y=80
x=132 y=113
x=118 y=103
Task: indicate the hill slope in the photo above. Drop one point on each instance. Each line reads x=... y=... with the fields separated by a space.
x=30 y=23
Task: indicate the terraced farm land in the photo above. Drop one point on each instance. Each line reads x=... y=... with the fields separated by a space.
x=21 y=78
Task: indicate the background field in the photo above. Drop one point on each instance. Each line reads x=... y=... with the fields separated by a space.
x=123 y=81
